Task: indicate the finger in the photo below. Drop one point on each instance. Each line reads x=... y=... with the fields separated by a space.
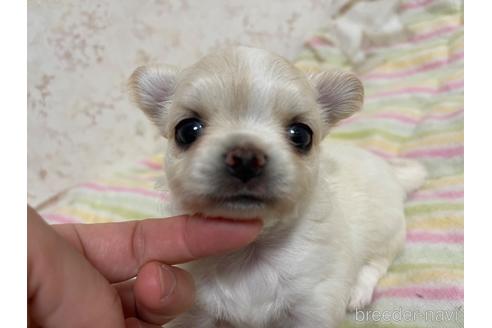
x=162 y=292
x=158 y=294
x=125 y=291
x=117 y=250
x=63 y=288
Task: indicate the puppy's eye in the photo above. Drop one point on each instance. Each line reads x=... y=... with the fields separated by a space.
x=187 y=131
x=301 y=136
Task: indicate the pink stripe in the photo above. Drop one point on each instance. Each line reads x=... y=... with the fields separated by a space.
x=56 y=218
x=454 y=85
x=412 y=120
x=449 y=293
x=152 y=165
x=438 y=195
x=383 y=116
x=402 y=118
x=432 y=34
x=415 y=38
x=443 y=117
x=318 y=41
x=145 y=192
x=435 y=238
x=397 y=117
x=424 y=68
x=415 y=4
x=380 y=153
x=440 y=152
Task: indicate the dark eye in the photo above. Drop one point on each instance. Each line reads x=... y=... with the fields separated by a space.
x=187 y=131
x=301 y=136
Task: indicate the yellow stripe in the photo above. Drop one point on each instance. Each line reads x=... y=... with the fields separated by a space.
x=410 y=111
x=394 y=147
x=432 y=24
x=433 y=141
x=437 y=223
x=402 y=279
x=413 y=60
x=380 y=144
x=449 y=181
x=126 y=183
x=85 y=216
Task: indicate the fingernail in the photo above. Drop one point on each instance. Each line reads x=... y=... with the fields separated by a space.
x=168 y=281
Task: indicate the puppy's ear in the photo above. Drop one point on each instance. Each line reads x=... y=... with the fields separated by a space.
x=340 y=94
x=152 y=87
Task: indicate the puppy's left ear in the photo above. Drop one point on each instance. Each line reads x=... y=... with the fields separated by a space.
x=152 y=88
x=340 y=94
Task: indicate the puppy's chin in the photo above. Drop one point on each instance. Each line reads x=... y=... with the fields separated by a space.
x=235 y=207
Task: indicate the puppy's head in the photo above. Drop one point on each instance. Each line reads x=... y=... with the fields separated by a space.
x=244 y=128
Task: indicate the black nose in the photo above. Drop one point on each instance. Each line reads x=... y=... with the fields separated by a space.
x=245 y=163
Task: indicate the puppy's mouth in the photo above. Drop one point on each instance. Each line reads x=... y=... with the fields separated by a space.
x=241 y=201
x=245 y=199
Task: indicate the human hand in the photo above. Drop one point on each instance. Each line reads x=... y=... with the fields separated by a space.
x=80 y=275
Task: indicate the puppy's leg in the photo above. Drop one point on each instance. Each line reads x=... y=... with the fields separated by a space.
x=367 y=279
x=383 y=252
x=322 y=307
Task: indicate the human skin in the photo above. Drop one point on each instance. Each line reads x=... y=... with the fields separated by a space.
x=81 y=275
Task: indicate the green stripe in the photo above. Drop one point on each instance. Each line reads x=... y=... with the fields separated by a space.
x=380 y=124
x=412 y=49
x=435 y=12
x=439 y=254
x=405 y=267
x=403 y=129
x=427 y=202
x=425 y=129
x=427 y=208
x=367 y=133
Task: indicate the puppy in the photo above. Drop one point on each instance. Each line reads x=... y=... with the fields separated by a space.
x=245 y=132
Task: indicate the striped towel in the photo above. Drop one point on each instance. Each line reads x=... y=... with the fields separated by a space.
x=413 y=109
x=128 y=194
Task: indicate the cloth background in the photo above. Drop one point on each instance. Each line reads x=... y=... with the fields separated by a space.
x=410 y=59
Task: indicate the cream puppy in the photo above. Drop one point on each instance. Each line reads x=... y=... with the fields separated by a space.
x=245 y=132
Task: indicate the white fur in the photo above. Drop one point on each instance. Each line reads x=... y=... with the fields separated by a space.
x=337 y=221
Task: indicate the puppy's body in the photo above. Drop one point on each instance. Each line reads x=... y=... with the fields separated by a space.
x=333 y=214
x=303 y=271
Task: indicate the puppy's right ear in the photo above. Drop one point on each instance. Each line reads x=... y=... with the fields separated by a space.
x=151 y=88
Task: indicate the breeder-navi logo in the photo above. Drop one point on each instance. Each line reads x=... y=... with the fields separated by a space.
x=401 y=315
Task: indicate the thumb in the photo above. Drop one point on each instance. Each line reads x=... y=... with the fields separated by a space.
x=64 y=290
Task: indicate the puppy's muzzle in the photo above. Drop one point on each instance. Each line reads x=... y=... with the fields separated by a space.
x=245 y=162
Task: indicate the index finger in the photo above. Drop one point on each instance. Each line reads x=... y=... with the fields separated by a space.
x=118 y=249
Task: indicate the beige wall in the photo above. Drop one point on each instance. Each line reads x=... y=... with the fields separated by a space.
x=80 y=53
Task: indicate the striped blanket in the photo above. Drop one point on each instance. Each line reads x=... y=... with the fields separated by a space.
x=413 y=109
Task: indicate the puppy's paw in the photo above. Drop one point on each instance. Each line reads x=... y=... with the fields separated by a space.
x=361 y=293
x=360 y=296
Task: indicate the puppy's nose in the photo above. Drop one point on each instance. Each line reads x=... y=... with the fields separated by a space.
x=245 y=163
